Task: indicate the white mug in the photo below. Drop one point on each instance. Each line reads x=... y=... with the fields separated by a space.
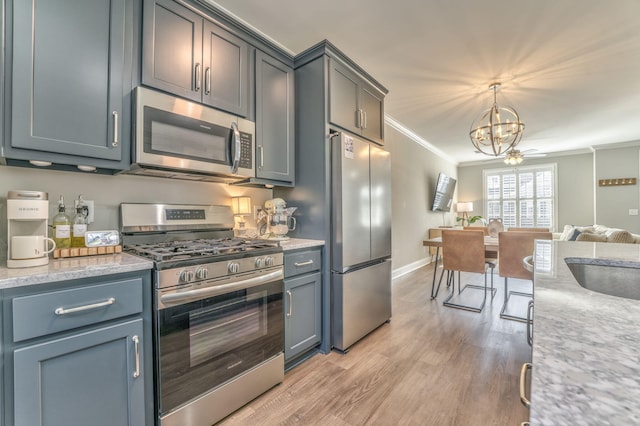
x=30 y=246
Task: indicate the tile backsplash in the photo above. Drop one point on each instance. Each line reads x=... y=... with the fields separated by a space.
x=108 y=192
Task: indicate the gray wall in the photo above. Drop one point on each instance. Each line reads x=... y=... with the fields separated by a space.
x=613 y=202
x=414 y=171
x=580 y=200
x=108 y=192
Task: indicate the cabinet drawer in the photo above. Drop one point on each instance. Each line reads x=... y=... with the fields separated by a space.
x=301 y=262
x=47 y=313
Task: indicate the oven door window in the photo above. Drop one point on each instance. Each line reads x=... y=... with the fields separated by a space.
x=205 y=343
x=166 y=133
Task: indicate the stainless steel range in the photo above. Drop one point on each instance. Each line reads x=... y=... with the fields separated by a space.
x=218 y=312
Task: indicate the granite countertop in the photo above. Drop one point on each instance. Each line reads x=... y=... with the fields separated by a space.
x=72 y=268
x=586 y=348
x=299 y=243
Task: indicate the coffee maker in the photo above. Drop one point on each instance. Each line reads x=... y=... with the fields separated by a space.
x=27 y=217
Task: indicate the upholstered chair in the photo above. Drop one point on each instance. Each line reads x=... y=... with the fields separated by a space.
x=464 y=252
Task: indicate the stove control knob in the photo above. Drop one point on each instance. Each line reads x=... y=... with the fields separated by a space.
x=233 y=267
x=259 y=262
x=186 y=276
x=268 y=261
x=202 y=273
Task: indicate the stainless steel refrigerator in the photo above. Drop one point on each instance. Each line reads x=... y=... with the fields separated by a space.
x=360 y=239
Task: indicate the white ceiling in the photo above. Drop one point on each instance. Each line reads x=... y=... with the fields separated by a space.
x=571 y=68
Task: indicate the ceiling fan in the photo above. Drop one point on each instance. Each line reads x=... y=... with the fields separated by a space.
x=515 y=156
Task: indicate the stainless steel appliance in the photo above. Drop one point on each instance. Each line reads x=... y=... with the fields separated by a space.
x=360 y=239
x=218 y=320
x=27 y=218
x=186 y=140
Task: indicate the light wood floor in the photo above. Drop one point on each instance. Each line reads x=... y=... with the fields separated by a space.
x=431 y=365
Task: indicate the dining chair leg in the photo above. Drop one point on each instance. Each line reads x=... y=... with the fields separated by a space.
x=507 y=296
x=449 y=303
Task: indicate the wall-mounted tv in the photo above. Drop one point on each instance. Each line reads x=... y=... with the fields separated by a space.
x=443 y=195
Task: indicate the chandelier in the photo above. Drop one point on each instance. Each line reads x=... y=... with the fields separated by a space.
x=513 y=157
x=497 y=130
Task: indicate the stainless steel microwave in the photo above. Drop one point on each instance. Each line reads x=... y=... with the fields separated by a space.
x=186 y=140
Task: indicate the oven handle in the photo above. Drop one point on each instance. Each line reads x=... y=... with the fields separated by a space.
x=186 y=296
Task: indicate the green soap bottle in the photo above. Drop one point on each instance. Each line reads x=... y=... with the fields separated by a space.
x=62 y=227
x=79 y=227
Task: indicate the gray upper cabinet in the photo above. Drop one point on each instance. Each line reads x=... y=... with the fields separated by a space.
x=192 y=57
x=354 y=104
x=275 y=156
x=70 y=63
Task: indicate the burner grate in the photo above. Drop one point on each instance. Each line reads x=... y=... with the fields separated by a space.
x=179 y=250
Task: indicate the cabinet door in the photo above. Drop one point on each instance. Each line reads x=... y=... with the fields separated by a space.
x=303 y=318
x=68 y=71
x=372 y=105
x=343 y=98
x=172 y=49
x=226 y=70
x=275 y=154
x=84 y=379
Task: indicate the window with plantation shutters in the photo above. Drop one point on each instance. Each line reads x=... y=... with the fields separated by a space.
x=522 y=197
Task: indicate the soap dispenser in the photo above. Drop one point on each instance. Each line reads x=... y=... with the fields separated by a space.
x=79 y=223
x=62 y=226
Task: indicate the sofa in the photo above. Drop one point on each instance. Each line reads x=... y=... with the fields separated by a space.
x=597 y=233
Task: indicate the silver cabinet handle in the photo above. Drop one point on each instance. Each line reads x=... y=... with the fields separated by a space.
x=359 y=118
x=364 y=121
x=63 y=311
x=290 y=310
x=523 y=384
x=197 y=77
x=261 y=155
x=115 y=141
x=136 y=346
x=207 y=81
x=530 y=323
x=235 y=134
x=305 y=263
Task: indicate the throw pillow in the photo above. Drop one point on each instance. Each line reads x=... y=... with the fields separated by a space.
x=620 y=237
x=589 y=236
x=566 y=232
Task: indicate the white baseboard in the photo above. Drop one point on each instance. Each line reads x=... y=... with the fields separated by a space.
x=410 y=267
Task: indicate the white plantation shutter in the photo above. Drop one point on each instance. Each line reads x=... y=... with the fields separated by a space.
x=521 y=197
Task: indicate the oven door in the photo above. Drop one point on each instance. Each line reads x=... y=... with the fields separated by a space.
x=203 y=343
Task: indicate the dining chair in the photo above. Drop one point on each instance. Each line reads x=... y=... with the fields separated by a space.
x=465 y=253
x=513 y=247
x=489 y=254
x=528 y=229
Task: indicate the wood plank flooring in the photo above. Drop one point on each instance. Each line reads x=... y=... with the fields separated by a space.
x=431 y=365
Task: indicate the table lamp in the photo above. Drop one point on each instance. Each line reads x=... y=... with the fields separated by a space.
x=464 y=208
x=241 y=206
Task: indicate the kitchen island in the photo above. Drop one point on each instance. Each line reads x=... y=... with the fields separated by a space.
x=586 y=345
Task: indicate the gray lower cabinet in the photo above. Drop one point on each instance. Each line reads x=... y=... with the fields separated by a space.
x=303 y=303
x=84 y=379
x=190 y=56
x=79 y=353
x=68 y=81
x=354 y=104
x=275 y=139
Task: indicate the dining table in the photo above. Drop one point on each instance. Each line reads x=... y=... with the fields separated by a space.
x=490 y=245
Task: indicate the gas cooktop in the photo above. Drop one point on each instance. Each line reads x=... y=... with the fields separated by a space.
x=200 y=248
